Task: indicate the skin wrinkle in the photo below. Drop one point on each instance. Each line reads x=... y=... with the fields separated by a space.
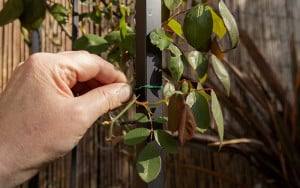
x=64 y=79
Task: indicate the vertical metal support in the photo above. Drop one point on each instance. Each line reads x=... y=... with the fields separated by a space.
x=148 y=61
x=36 y=40
x=75 y=20
x=35 y=47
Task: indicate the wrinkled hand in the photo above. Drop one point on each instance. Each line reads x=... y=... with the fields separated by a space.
x=41 y=120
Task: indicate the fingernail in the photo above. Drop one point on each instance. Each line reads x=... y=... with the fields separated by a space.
x=125 y=93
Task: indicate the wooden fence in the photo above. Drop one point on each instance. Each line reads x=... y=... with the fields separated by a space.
x=269 y=22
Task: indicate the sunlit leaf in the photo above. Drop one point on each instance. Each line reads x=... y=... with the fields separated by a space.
x=172 y=4
x=200 y=108
x=176 y=67
x=218 y=25
x=168 y=90
x=176 y=27
x=11 y=10
x=185 y=86
x=136 y=136
x=199 y=63
x=92 y=43
x=59 y=12
x=166 y=141
x=160 y=38
x=141 y=118
x=187 y=125
x=217 y=114
x=125 y=11
x=230 y=23
x=148 y=163
x=174 y=50
x=175 y=111
x=221 y=73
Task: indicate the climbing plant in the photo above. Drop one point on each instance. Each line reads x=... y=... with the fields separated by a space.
x=191 y=107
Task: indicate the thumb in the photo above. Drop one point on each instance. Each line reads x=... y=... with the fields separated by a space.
x=100 y=100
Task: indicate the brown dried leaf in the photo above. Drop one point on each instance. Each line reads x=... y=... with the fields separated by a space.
x=216 y=49
x=175 y=111
x=187 y=125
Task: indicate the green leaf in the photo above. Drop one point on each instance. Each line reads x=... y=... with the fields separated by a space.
x=168 y=90
x=221 y=73
x=136 y=136
x=128 y=44
x=198 y=27
x=125 y=11
x=91 y=43
x=176 y=27
x=113 y=37
x=199 y=63
x=175 y=66
x=161 y=119
x=218 y=25
x=141 y=118
x=160 y=38
x=33 y=14
x=174 y=50
x=11 y=10
x=200 y=109
x=166 y=141
x=217 y=114
x=172 y=4
x=148 y=163
x=59 y=12
x=230 y=23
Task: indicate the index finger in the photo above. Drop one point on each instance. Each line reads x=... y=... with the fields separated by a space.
x=90 y=66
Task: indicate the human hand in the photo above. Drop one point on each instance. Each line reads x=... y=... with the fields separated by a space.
x=41 y=120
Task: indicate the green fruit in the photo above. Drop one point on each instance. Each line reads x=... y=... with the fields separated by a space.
x=198 y=27
x=12 y=10
x=33 y=14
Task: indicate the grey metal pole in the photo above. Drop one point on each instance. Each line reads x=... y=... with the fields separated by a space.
x=148 y=61
x=75 y=20
x=35 y=47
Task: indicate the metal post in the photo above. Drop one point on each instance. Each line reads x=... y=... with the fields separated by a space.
x=35 y=47
x=148 y=61
x=75 y=20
